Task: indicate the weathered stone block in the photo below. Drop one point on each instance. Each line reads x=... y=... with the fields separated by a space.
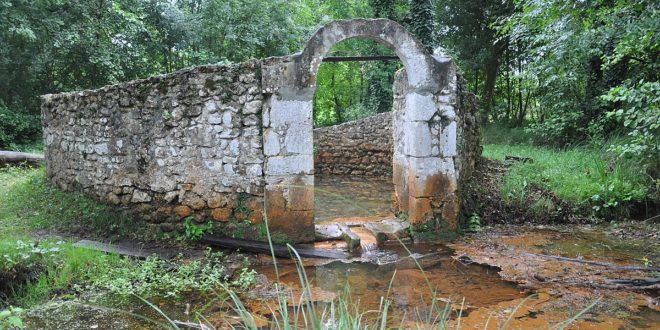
x=222 y=214
x=290 y=165
x=252 y=107
x=217 y=201
x=299 y=139
x=298 y=226
x=183 y=211
x=420 y=210
x=418 y=139
x=448 y=140
x=271 y=142
x=419 y=107
x=285 y=112
x=140 y=197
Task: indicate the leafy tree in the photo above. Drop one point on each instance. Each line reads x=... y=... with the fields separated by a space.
x=421 y=21
x=579 y=51
x=466 y=28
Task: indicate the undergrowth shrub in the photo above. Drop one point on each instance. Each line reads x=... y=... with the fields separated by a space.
x=22 y=262
x=155 y=276
x=32 y=271
x=17 y=128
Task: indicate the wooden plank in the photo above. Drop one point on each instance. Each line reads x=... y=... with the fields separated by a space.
x=12 y=157
x=124 y=250
x=279 y=250
x=359 y=58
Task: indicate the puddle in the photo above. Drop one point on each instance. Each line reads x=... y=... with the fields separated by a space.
x=351 y=196
x=489 y=301
x=404 y=283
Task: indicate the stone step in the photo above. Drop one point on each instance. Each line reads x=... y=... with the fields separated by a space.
x=328 y=232
x=357 y=221
x=350 y=237
x=368 y=241
x=389 y=229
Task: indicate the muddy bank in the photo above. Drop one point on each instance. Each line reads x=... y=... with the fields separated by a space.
x=617 y=296
x=484 y=198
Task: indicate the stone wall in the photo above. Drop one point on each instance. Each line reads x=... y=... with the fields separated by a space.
x=361 y=147
x=235 y=142
x=172 y=146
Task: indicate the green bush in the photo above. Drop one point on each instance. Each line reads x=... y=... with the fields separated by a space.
x=17 y=128
x=11 y=318
x=155 y=276
x=639 y=112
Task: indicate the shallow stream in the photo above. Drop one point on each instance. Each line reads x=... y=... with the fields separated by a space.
x=478 y=290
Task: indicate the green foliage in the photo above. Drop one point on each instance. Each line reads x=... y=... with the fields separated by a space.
x=421 y=21
x=241 y=206
x=29 y=202
x=592 y=181
x=24 y=256
x=193 y=231
x=466 y=30
x=498 y=133
x=11 y=318
x=158 y=277
x=543 y=207
x=474 y=223
x=572 y=53
x=31 y=271
x=16 y=127
x=245 y=279
x=275 y=238
x=640 y=114
x=349 y=91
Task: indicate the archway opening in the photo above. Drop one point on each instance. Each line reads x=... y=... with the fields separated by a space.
x=353 y=141
x=424 y=171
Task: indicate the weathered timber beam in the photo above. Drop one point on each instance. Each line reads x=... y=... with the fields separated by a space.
x=279 y=250
x=359 y=58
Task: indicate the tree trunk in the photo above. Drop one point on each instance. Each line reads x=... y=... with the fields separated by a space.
x=492 y=66
x=16 y=158
x=508 y=85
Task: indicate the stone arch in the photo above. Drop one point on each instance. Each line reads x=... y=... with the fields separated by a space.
x=425 y=129
x=415 y=58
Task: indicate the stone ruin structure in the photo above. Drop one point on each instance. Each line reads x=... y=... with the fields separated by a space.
x=235 y=142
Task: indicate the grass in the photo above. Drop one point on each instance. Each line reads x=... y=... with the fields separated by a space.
x=29 y=203
x=591 y=180
x=55 y=273
x=33 y=270
x=36 y=147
